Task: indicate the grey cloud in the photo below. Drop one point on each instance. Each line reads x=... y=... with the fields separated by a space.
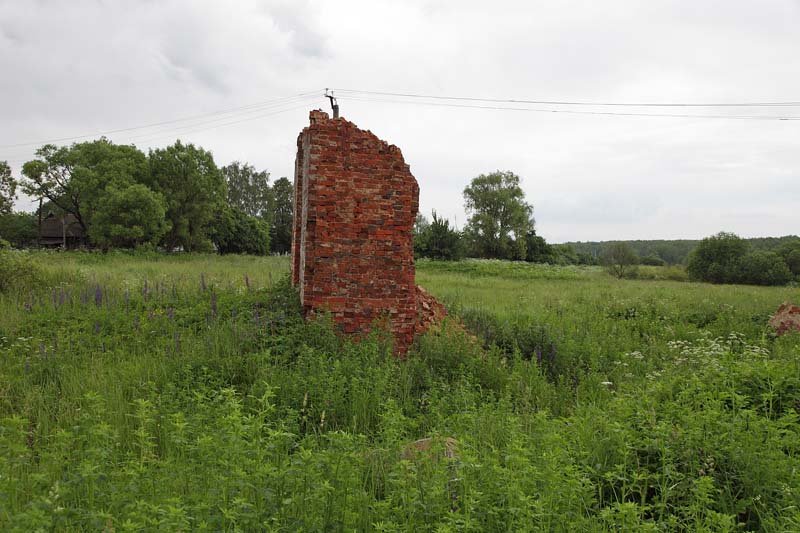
x=81 y=66
x=298 y=21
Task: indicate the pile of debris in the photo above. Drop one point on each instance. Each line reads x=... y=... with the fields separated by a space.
x=786 y=319
x=429 y=311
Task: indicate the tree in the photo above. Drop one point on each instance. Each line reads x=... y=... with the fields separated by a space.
x=236 y=232
x=499 y=216
x=8 y=188
x=620 y=260
x=19 y=229
x=74 y=178
x=248 y=189
x=791 y=255
x=194 y=190
x=716 y=258
x=128 y=217
x=281 y=219
x=537 y=250
x=438 y=240
x=763 y=268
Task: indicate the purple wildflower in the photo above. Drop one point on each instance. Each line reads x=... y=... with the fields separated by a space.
x=202 y=282
x=136 y=323
x=97 y=328
x=171 y=313
x=247 y=282
x=98 y=295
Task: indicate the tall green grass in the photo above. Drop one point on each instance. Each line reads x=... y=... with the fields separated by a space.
x=181 y=393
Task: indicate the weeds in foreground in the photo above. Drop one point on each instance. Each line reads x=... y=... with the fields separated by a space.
x=213 y=406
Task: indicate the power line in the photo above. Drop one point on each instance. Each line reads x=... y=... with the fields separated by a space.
x=193 y=128
x=171 y=135
x=575 y=103
x=573 y=112
x=255 y=107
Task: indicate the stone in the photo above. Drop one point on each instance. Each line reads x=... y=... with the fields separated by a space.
x=352 y=248
x=786 y=319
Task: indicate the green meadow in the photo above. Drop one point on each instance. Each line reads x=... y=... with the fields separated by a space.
x=186 y=393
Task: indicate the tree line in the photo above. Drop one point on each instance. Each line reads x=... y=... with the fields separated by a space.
x=175 y=198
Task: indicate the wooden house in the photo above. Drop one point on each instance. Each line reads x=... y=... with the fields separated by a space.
x=61 y=230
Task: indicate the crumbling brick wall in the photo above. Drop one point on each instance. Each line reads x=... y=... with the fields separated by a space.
x=355 y=206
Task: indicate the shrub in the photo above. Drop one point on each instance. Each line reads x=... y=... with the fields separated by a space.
x=716 y=258
x=791 y=255
x=763 y=268
x=18 y=271
x=652 y=260
x=19 y=229
x=438 y=240
x=620 y=260
x=235 y=232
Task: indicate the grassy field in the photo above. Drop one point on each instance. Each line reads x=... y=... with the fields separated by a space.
x=180 y=393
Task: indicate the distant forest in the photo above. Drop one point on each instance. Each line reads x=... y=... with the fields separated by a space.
x=672 y=252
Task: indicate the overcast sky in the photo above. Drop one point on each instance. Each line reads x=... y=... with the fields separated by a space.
x=70 y=68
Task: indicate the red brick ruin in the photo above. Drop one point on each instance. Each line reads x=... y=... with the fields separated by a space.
x=352 y=248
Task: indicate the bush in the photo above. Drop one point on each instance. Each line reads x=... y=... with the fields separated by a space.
x=19 y=229
x=652 y=260
x=129 y=217
x=620 y=260
x=716 y=258
x=791 y=255
x=438 y=240
x=763 y=268
x=18 y=271
x=235 y=232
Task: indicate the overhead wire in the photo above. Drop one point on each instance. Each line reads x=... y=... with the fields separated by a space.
x=570 y=111
x=250 y=107
x=572 y=102
x=266 y=109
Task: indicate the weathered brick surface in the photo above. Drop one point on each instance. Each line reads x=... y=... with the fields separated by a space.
x=355 y=206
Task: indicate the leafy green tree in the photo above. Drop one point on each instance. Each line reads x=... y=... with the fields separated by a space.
x=248 y=189
x=620 y=260
x=564 y=254
x=790 y=252
x=236 y=232
x=421 y=225
x=74 y=178
x=281 y=211
x=763 y=268
x=499 y=216
x=128 y=217
x=19 y=229
x=438 y=240
x=652 y=260
x=537 y=250
x=716 y=258
x=194 y=189
x=8 y=188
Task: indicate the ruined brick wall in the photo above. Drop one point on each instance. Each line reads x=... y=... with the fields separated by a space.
x=355 y=206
